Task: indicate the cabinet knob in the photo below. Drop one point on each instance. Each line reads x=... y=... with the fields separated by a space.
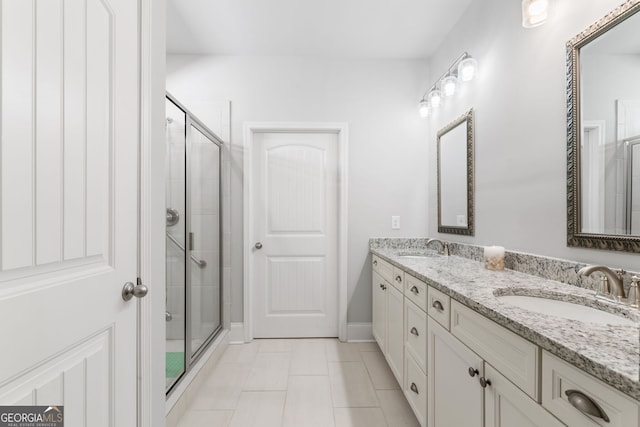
x=473 y=372
x=585 y=404
x=398 y=279
x=414 y=331
x=414 y=290
x=484 y=382
x=414 y=388
x=375 y=262
x=438 y=305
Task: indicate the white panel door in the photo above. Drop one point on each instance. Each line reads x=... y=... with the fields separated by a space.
x=295 y=193
x=68 y=207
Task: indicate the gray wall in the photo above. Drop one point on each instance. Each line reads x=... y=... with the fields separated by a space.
x=520 y=123
x=387 y=151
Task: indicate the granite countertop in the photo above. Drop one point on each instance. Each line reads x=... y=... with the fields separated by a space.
x=608 y=352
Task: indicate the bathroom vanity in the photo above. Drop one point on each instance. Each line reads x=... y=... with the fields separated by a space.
x=474 y=347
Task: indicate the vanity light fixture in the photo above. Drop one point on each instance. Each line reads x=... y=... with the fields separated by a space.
x=534 y=12
x=449 y=85
x=463 y=69
x=423 y=108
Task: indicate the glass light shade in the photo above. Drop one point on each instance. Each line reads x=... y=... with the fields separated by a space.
x=449 y=85
x=467 y=69
x=534 y=12
x=423 y=108
x=434 y=98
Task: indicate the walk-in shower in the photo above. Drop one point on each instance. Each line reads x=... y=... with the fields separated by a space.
x=193 y=239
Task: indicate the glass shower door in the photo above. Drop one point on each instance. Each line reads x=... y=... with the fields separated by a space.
x=204 y=238
x=175 y=194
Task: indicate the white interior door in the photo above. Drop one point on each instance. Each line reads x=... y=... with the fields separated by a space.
x=68 y=207
x=295 y=232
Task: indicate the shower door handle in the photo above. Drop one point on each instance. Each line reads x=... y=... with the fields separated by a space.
x=258 y=245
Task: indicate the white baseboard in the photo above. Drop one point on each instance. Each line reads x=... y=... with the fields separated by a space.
x=359 y=332
x=236 y=334
x=356 y=332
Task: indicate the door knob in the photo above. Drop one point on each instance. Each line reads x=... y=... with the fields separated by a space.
x=258 y=245
x=130 y=290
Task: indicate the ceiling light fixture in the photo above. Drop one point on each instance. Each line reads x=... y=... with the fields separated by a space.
x=534 y=12
x=463 y=69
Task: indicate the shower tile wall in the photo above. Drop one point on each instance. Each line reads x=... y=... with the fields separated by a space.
x=175 y=199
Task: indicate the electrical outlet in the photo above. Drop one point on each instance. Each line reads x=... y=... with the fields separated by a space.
x=395 y=223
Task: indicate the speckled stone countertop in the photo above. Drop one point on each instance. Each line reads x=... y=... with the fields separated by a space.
x=608 y=352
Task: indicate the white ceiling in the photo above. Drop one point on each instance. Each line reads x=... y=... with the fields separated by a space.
x=333 y=28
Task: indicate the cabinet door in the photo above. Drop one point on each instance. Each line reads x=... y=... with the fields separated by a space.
x=506 y=405
x=379 y=324
x=395 y=332
x=455 y=398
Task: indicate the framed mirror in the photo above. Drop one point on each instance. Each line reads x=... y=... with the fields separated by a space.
x=603 y=130
x=455 y=176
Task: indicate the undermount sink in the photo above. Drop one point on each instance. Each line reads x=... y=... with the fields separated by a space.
x=418 y=255
x=565 y=310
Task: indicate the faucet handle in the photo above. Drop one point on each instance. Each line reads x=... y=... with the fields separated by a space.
x=620 y=272
x=633 y=299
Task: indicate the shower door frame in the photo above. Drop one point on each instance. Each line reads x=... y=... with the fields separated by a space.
x=191 y=357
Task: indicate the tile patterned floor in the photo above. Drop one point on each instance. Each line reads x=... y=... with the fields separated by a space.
x=300 y=383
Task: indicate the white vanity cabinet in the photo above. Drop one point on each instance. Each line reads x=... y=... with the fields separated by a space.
x=459 y=368
x=388 y=314
x=465 y=390
x=563 y=384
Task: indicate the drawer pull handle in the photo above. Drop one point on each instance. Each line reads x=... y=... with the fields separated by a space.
x=473 y=372
x=414 y=331
x=375 y=262
x=383 y=287
x=585 y=404
x=414 y=388
x=484 y=382
x=398 y=279
x=438 y=305
x=415 y=290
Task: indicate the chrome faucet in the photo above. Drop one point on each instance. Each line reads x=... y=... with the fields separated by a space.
x=445 y=245
x=612 y=280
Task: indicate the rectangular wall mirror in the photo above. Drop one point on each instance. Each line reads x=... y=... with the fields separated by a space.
x=455 y=177
x=603 y=113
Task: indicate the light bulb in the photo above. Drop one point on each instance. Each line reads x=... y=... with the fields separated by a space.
x=467 y=69
x=449 y=85
x=534 y=12
x=434 y=98
x=423 y=108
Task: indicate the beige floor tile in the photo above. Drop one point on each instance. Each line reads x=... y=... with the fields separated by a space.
x=269 y=372
x=240 y=353
x=396 y=409
x=342 y=351
x=206 y=419
x=368 y=346
x=308 y=358
x=259 y=409
x=222 y=388
x=381 y=375
x=275 y=345
x=308 y=402
x=359 y=417
x=350 y=385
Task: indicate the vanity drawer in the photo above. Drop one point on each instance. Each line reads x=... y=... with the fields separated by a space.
x=416 y=291
x=415 y=333
x=383 y=268
x=398 y=279
x=415 y=389
x=439 y=307
x=558 y=377
x=516 y=358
